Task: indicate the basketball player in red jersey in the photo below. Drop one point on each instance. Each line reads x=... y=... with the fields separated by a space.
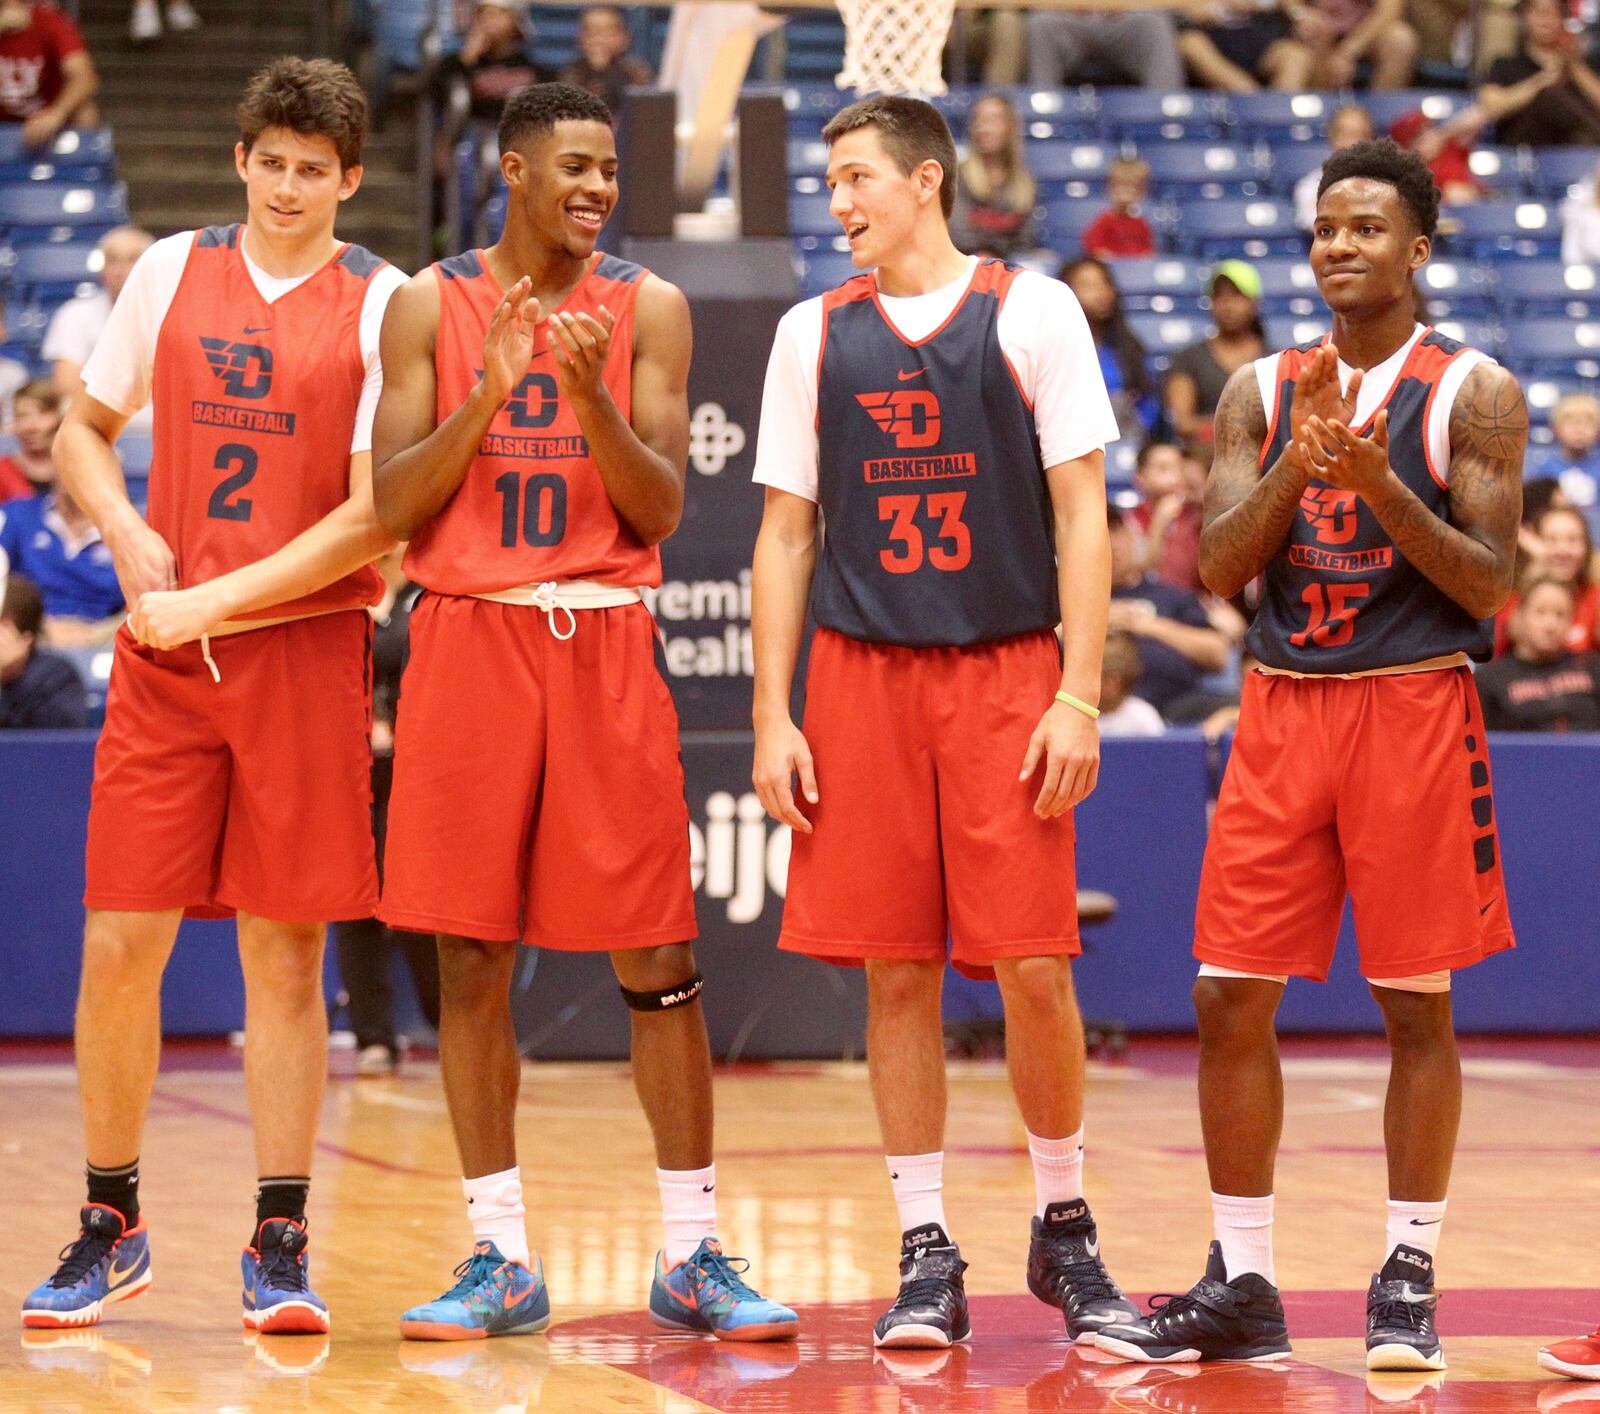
x=530 y=445
x=947 y=418
x=231 y=773
x=1374 y=481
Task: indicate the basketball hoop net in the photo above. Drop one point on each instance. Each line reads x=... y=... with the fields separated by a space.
x=894 y=46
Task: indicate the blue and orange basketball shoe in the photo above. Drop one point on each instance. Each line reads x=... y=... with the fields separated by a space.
x=492 y=1296
x=706 y=1294
x=278 y=1299
x=107 y=1263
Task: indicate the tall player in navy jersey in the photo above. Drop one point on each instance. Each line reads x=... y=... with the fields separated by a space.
x=1374 y=481
x=947 y=418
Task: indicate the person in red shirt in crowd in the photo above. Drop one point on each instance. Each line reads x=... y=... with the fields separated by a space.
x=36 y=414
x=1120 y=230
x=1168 y=515
x=1447 y=149
x=1542 y=685
x=47 y=80
x=1562 y=550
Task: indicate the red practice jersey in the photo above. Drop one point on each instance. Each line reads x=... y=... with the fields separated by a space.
x=254 y=409
x=532 y=506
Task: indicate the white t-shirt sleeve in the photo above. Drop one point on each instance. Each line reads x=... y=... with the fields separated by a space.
x=786 y=446
x=380 y=289
x=74 y=328
x=1045 y=336
x=121 y=369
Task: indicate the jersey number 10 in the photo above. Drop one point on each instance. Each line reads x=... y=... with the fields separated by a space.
x=536 y=507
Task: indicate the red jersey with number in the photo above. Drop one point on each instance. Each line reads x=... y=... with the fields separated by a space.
x=1339 y=597
x=255 y=409
x=532 y=506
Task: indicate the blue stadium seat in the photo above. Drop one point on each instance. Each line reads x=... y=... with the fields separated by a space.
x=808 y=157
x=94 y=667
x=1287 y=286
x=1561 y=348
x=1204 y=169
x=1547 y=287
x=1502 y=169
x=136 y=453
x=1159 y=284
x=555 y=34
x=1543 y=394
x=397 y=30
x=51 y=272
x=822 y=269
x=1166 y=334
x=1233 y=226
x=36 y=171
x=69 y=150
x=1063 y=220
x=53 y=206
x=809 y=214
x=1078 y=163
x=813 y=47
x=1289 y=333
x=1057 y=113
x=1479 y=333
x=1145 y=113
x=1554 y=171
x=1281 y=118
x=1456 y=289
x=1386 y=108
x=1291 y=163
x=26 y=325
x=1494 y=230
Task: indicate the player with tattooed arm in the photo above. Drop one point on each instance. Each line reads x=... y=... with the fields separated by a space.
x=1373 y=481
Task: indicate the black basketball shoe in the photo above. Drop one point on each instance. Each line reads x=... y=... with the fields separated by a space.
x=931 y=1310
x=1217 y=1320
x=1065 y=1271
x=1400 y=1306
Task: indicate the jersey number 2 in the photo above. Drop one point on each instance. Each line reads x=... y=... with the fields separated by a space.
x=537 y=506
x=226 y=503
x=1333 y=614
x=952 y=546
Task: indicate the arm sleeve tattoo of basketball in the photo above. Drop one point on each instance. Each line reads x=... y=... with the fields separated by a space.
x=1247 y=513
x=1471 y=556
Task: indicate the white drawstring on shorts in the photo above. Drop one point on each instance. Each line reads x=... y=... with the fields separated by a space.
x=205 y=652
x=552 y=595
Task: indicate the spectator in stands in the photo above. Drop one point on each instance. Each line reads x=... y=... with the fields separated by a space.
x=76 y=327
x=38 y=689
x=1121 y=712
x=366 y=947
x=1177 y=644
x=1197 y=375
x=47 y=80
x=995 y=192
x=1447 y=149
x=13 y=374
x=1168 y=515
x=36 y=414
x=1573 y=459
x=1541 y=685
x=1120 y=230
x=492 y=62
x=144 y=22
x=1544 y=95
x=1349 y=124
x=1580 y=223
x=1240 y=46
x=995 y=40
x=49 y=539
x=1138 y=45
x=604 y=66
x=1122 y=357
x=1561 y=549
x=1343 y=34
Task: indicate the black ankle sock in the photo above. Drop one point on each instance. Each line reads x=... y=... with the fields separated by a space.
x=116 y=1188
x=280 y=1197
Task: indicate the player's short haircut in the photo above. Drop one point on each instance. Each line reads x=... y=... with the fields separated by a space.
x=23 y=604
x=42 y=391
x=311 y=98
x=912 y=132
x=536 y=109
x=1386 y=161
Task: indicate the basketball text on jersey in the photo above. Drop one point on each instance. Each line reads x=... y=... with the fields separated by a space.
x=930 y=480
x=1339 y=597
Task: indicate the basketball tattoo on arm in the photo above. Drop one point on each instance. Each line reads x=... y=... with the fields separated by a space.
x=1247 y=514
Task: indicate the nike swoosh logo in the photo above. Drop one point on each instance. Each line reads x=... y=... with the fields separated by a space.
x=1431 y=1222
x=1481 y=912
x=691 y=1300
x=258 y=329
x=1093 y=1248
x=708 y=1188
x=117 y=1275
x=902 y=375
x=511 y=1298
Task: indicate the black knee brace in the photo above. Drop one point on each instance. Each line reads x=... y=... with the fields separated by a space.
x=664 y=1000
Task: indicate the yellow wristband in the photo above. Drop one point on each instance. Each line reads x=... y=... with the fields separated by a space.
x=1079 y=703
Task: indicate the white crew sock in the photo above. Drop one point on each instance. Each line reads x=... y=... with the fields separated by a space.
x=1057 y=1169
x=1244 y=1228
x=918 y=1181
x=1413 y=1225
x=688 y=1210
x=494 y=1208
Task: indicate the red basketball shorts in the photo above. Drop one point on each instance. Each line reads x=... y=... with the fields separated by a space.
x=923 y=831
x=538 y=789
x=253 y=793
x=1377 y=787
